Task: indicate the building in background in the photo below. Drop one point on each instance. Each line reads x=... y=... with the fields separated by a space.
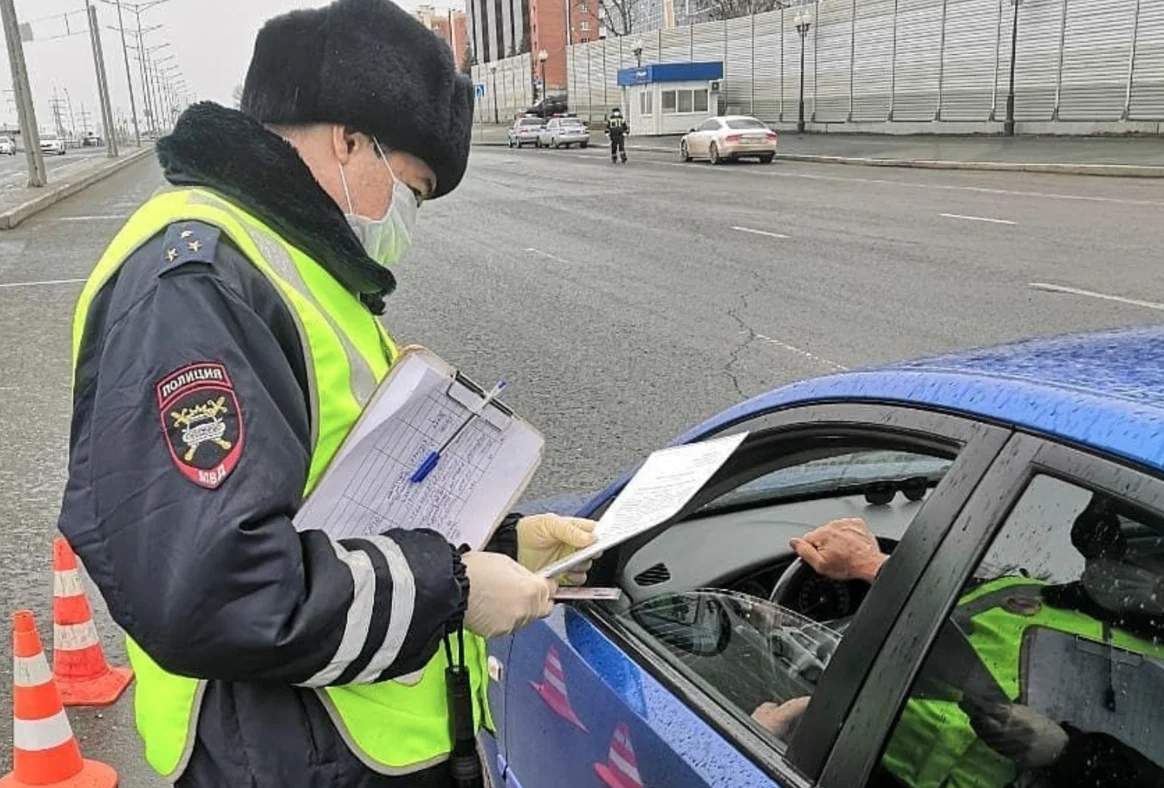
x=449 y=26
x=498 y=28
x=555 y=25
x=650 y=15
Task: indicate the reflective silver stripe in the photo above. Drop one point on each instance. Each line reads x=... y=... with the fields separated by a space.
x=362 y=380
x=356 y=750
x=403 y=605
x=359 y=619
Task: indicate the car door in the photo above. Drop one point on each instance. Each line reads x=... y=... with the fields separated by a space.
x=594 y=698
x=703 y=135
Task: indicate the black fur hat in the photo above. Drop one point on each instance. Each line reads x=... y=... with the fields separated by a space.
x=370 y=65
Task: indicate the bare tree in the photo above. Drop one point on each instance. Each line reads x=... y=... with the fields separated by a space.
x=719 y=10
x=620 y=15
x=236 y=96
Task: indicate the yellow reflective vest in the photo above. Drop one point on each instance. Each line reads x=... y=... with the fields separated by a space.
x=393 y=727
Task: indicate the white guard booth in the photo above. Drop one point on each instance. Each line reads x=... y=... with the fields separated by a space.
x=669 y=98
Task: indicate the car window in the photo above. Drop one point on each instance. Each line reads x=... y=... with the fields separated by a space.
x=1050 y=669
x=710 y=125
x=714 y=593
x=531 y=122
x=745 y=123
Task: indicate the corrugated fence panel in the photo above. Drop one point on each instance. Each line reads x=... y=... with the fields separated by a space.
x=873 y=60
x=675 y=45
x=738 y=67
x=614 y=59
x=707 y=41
x=833 y=45
x=769 y=64
x=1036 y=60
x=1095 y=59
x=971 y=36
x=1148 y=80
x=919 y=35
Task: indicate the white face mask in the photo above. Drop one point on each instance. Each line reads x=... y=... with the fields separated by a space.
x=1124 y=588
x=387 y=239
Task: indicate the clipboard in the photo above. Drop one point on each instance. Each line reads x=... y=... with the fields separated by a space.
x=365 y=490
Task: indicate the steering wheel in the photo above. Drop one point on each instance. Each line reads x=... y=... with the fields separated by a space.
x=798 y=573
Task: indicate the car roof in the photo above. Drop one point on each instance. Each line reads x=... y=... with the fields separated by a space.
x=1103 y=391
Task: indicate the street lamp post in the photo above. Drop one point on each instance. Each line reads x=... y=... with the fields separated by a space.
x=803 y=25
x=493 y=73
x=638 y=50
x=543 y=56
x=1008 y=124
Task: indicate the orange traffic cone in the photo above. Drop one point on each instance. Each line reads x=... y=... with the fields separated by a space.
x=552 y=688
x=621 y=769
x=83 y=676
x=44 y=752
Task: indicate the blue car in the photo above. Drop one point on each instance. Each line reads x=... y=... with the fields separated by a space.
x=1009 y=486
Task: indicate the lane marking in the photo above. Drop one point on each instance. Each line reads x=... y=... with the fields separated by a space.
x=975 y=218
x=105 y=218
x=799 y=351
x=759 y=232
x=1049 y=288
x=45 y=283
x=547 y=255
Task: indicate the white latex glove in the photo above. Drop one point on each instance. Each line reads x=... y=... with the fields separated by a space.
x=544 y=539
x=504 y=596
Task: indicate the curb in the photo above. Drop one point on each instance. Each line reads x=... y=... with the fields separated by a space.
x=55 y=193
x=1104 y=170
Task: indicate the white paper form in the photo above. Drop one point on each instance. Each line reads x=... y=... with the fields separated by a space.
x=666 y=482
x=366 y=490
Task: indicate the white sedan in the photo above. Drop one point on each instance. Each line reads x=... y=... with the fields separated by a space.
x=729 y=138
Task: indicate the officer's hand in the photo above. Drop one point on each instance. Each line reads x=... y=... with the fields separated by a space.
x=778 y=719
x=1017 y=732
x=545 y=539
x=504 y=596
x=842 y=550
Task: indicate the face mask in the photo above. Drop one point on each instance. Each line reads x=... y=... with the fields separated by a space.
x=387 y=239
x=1124 y=588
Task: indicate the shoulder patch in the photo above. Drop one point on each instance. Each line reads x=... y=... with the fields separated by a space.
x=189 y=242
x=202 y=422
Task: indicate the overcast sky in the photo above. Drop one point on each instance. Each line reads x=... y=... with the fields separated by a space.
x=211 y=41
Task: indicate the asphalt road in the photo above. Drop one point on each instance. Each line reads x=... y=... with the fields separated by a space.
x=623 y=304
x=14 y=169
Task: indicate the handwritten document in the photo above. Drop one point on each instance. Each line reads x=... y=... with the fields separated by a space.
x=666 y=482
x=366 y=490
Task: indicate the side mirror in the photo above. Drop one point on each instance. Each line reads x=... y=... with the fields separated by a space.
x=691 y=130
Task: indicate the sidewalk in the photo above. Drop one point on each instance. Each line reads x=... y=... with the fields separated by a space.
x=18 y=204
x=1127 y=156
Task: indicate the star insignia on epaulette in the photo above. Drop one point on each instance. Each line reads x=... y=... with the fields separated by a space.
x=172 y=255
x=186 y=234
x=195 y=245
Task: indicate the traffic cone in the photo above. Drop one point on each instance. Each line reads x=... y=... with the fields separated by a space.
x=621 y=770
x=553 y=689
x=44 y=752
x=79 y=667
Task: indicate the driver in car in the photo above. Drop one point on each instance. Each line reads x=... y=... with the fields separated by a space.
x=961 y=728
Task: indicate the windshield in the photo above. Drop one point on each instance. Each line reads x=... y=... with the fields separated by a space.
x=48 y=137
x=572 y=122
x=745 y=123
x=830 y=476
x=531 y=122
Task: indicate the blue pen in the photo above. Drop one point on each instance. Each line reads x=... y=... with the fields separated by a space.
x=430 y=462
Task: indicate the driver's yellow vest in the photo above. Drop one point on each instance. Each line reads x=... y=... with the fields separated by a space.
x=392 y=727
x=933 y=744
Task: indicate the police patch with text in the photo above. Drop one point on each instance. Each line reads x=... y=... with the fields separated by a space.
x=202 y=422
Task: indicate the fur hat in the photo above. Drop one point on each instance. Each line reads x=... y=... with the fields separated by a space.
x=370 y=65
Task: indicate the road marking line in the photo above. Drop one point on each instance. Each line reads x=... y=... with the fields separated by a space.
x=106 y=218
x=799 y=351
x=548 y=255
x=759 y=232
x=45 y=283
x=975 y=218
x=1092 y=294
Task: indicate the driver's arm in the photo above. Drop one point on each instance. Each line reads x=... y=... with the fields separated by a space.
x=842 y=550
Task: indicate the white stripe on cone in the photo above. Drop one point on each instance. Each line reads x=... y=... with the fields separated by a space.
x=67 y=583
x=74 y=637
x=628 y=769
x=556 y=683
x=37 y=735
x=30 y=671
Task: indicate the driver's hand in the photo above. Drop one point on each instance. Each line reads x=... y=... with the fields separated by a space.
x=778 y=718
x=842 y=550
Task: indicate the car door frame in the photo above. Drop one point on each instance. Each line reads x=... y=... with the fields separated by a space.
x=980 y=444
x=704 y=136
x=862 y=738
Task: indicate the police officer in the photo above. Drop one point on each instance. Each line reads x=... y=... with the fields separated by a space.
x=223 y=346
x=617 y=129
x=987 y=739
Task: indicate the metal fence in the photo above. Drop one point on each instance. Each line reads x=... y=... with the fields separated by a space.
x=912 y=60
x=508 y=89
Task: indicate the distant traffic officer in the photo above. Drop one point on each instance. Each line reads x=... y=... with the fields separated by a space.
x=617 y=129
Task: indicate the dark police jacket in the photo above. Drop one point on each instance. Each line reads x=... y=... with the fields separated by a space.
x=217 y=584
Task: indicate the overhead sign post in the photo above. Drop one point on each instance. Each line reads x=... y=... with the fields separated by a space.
x=479 y=91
